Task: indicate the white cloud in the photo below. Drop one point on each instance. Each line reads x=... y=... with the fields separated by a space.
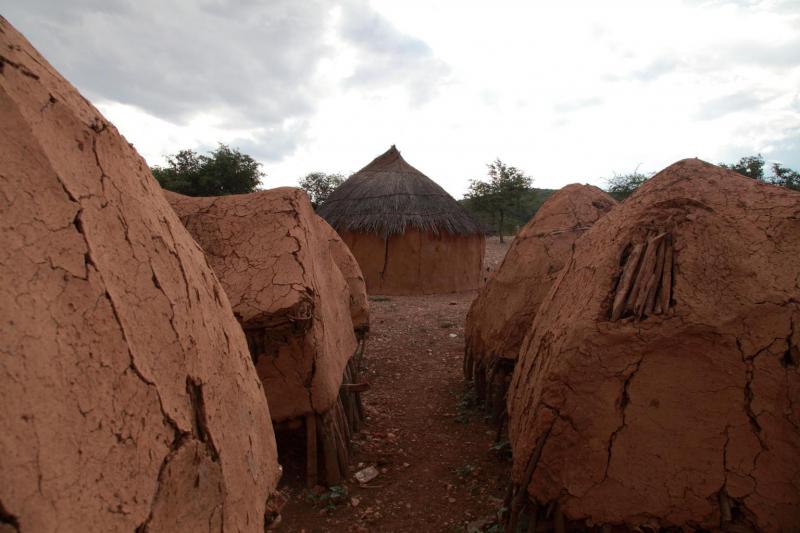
x=568 y=91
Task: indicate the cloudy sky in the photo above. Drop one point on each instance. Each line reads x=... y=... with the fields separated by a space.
x=566 y=90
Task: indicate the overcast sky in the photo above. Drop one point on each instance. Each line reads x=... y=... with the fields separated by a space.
x=568 y=91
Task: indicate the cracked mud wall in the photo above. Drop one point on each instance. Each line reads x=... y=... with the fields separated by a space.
x=418 y=262
x=685 y=418
x=115 y=337
x=274 y=262
x=502 y=314
x=348 y=266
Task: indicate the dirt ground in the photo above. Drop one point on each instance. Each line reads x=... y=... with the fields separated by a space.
x=440 y=468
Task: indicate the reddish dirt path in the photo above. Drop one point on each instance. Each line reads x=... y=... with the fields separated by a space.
x=438 y=471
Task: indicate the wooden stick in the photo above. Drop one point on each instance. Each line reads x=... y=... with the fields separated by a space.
x=350 y=388
x=362 y=346
x=332 y=474
x=655 y=280
x=522 y=488
x=352 y=413
x=344 y=424
x=337 y=416
x=639 y=292
x=341 y=446
x=624 y=285
x=636 y=286
x=348 y=393
x=311 y=450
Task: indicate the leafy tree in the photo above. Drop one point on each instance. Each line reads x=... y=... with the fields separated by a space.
x=320 y=185
x=751 y=166
x=221 y=172
x=785 y=177
x=622 y=185
x=502 y=193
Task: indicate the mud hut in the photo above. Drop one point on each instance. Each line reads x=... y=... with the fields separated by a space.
x=273 y=258
x=502 y=314
x=660 y=385
x=348 y=266
x=129 y=399
x=408 y=235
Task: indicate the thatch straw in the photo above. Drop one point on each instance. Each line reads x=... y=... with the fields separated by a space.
x=389 y=195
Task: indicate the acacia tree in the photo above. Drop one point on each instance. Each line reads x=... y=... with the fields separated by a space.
x=221 y=172
x=319 y=185
x=620 y=186
x=785 y=177
x=751 y=166
x=502 y=192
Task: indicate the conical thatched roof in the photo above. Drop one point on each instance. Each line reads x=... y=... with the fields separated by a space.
x=389 y=195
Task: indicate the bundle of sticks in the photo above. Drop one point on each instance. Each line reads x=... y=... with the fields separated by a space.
x=328 y=435
x=645 y=286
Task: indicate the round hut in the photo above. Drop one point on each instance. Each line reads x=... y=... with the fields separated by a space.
x=273 y=257
x=408 y=235
x=659 y=386
x=502 y=314
x=129 y=401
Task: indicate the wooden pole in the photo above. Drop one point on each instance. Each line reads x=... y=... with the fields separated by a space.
x=624 y=285
x=332 y=474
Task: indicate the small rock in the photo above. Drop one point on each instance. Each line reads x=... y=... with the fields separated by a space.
x=366 y=475
x=452 y=335
x=354 y=502
x=451 y=500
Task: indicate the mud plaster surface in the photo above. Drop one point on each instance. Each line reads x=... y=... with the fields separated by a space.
x=647 y=422
x=348 y=266
x=128 y=397
x=504 y=310
x=274 y=261
x=416 y=263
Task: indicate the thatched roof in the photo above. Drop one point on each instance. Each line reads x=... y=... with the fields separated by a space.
x=389 y=195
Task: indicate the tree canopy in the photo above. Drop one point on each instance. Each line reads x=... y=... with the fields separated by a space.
x=753 y=167
x=785 y=177
x=750 y=166
x=620 y=186
x=319 y=185
x=221 y=172
x=506 y=191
